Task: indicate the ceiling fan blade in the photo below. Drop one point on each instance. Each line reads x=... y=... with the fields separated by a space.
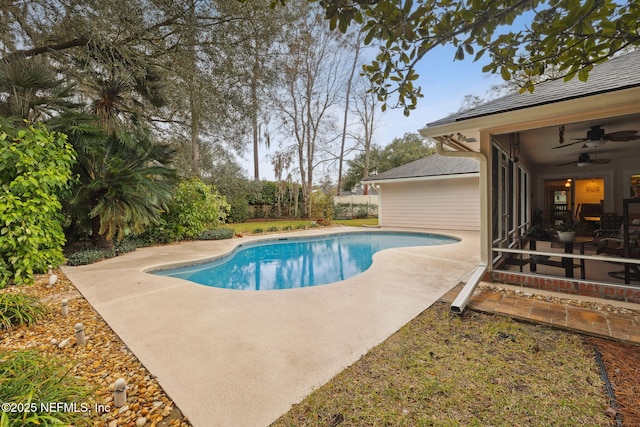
x=600 y=161
x=566 y=164
x=623 y=135
x=569 y=144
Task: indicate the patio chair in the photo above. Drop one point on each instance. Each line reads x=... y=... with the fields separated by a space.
x=616 y=246
x=610 y=225
x=589 y=216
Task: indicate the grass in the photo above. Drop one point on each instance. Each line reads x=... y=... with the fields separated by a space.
x=27 y=378
x=17 y=309
x=474 y=370
x=269 y=226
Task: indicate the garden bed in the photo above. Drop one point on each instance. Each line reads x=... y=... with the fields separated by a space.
x=100 y=363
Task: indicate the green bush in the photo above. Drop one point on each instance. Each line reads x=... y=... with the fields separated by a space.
x=272 y=228
x=29 y=379
x=287 y=228
x=194 y=208
x=35 y=167
x=217 y=234
x=301 y=227
x=160 y=233
x=20 y=309
x=89 y=256
x=322 y=206
x=355 y=210
x=239 y=209
x=126 y=245
x=258 y=230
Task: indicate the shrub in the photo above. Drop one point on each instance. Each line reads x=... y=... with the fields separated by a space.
x=194 y=208
x=322 y=206
x=301 y=227
x=239 y=209
x=272 y=228
x=258 y=230
x=217 y=234
x=159 y=233
x=18 y=309
x=35 y=167
x=126 y=245
x=28 y=378
x=287 y=228
x=355 y=210
x=89 y=256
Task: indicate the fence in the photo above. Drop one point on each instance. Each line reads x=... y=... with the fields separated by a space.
x=370 y=199
x=347 y=207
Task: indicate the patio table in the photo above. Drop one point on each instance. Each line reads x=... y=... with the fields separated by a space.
x=566 y=263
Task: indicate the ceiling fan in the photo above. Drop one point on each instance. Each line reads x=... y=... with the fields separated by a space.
x=584 y=160
x=596 y=137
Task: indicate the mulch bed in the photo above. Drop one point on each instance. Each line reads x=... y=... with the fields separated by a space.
x=622 y=363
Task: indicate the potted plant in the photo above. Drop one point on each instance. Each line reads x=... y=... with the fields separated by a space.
x=567 y=230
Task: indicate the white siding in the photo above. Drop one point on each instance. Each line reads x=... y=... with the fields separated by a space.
x=444 y=204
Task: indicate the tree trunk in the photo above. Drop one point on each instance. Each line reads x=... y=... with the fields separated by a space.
x=254 y=120
x=97 y=239
x=346 y=113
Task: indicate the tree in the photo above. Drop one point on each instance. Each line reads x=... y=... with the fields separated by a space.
x=356 y=50
x=258 y=34
x=365 y=106
x=412 y=146
x=312 y=86
x=149 y=46
x=361 y=166
x=570 y=35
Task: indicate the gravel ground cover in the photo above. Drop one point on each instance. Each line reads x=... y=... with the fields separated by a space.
x=101 y=362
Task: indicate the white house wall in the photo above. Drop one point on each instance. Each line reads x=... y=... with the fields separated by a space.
x=443 y=204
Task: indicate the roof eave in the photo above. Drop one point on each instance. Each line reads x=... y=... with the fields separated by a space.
x=594 y=106
x=372 y=180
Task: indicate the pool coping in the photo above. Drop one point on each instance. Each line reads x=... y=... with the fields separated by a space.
x=230 y=357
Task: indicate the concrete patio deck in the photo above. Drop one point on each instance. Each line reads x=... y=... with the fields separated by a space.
x=242 y=358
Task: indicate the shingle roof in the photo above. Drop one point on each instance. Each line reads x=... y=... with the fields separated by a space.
x=618 y=73
x=433 y=165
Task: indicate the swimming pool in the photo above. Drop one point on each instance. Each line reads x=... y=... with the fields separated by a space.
x=297 y=262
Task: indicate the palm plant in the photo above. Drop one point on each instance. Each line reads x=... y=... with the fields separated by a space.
x=122 y=98
x=125 y=177
x=33 y=90
x=125 y=182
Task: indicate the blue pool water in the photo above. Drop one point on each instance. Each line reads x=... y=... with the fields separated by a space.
x=299 y=262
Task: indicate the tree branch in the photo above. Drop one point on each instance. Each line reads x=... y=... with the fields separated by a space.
x=80 y=41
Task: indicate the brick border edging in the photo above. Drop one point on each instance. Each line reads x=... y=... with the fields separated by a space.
x=624 y=293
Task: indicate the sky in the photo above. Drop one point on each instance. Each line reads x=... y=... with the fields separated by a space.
x=444 y=84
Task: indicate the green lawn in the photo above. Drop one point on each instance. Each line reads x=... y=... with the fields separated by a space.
x=275 y=226
x=470 y=370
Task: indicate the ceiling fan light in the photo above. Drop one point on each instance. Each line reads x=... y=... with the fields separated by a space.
x=594 y=143
x=582 y=164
